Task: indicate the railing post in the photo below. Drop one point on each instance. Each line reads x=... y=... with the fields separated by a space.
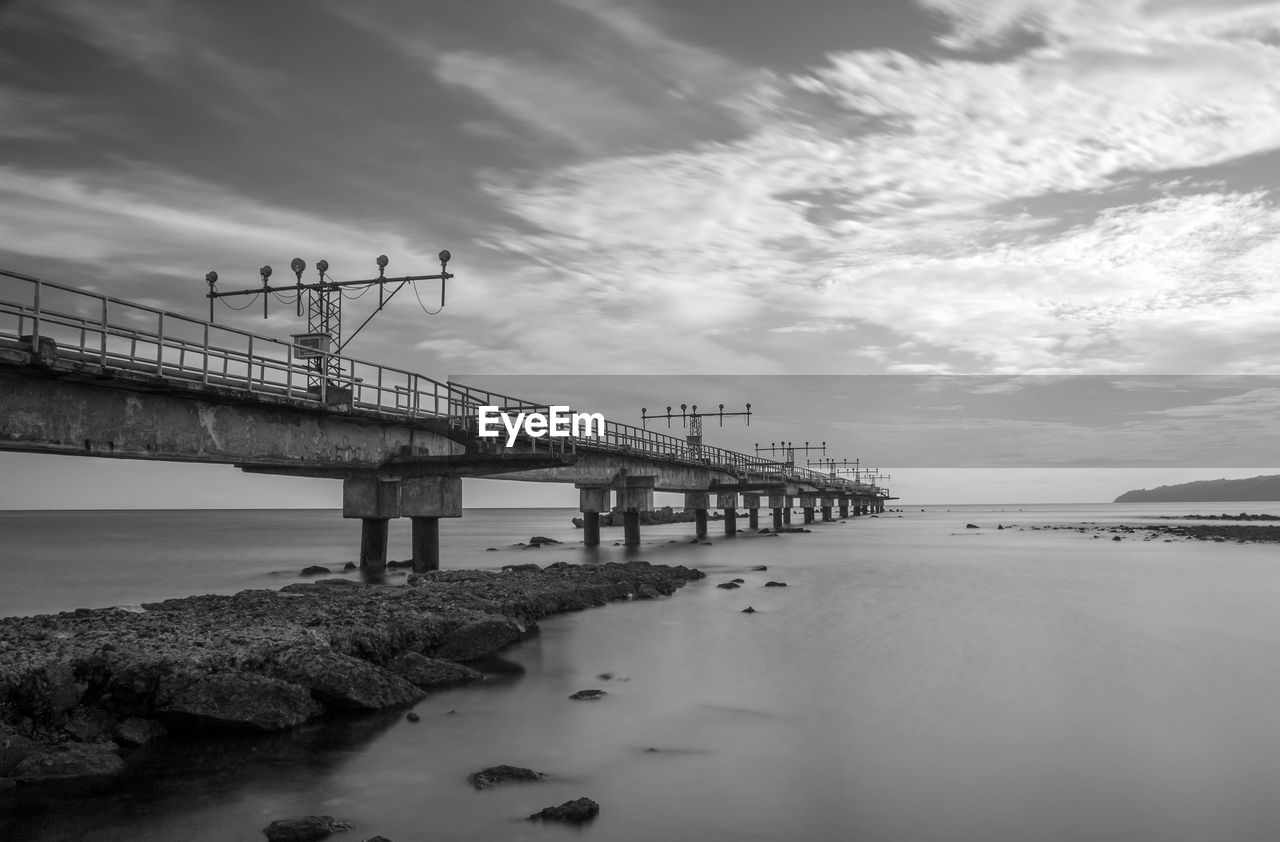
x=288 y=373
x=205 y=373
x=160 y=346
x=248 y=369
x=35 y=320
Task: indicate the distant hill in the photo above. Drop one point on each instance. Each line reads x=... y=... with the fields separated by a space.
x=1256 y=489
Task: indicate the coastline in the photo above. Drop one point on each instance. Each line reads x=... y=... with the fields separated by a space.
x=80 y=689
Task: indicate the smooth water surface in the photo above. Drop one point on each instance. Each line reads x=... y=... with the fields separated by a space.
x=916 y=680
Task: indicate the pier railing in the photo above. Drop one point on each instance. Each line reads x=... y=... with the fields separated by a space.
x=99 y=331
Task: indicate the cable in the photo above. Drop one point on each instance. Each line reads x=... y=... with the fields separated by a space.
x=423 y=306
x=245 y=307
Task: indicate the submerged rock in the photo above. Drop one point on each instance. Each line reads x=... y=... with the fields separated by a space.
x=137 y=731
x=314 y=570
x=303 y=828
x=241 y=700
x=588 y=695
x=479 y=637
x=421 y=671
x=69 y=760
x=775 y=584
x=495 y=775
x=575 y=812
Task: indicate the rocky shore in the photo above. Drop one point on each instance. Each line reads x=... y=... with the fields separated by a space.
x=79 y=689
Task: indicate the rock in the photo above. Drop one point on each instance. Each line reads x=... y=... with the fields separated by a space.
x=999 y=526
x=479 y=637
x=68 y=760
x=971 y=526
x=728 y=585
x=575 y=812
x=13 y=748
x=314 y=570
x=421 y=671
x=343 y=682
x=748 y=610
x=538 y=540
x=759 y=568
x=377 y=839
x=241 y=700
x=137 y=731
x=739 y=581
x=495 y=775
x=1117 y=538
x=588 y=695
x=647 y=591
x=303 y=828
x=775 y=584
x=578 y=522
x=408 y=562
x=412 y=717
x=520 y=568
x=605 y=676
x=88 y=726
x=350 y=565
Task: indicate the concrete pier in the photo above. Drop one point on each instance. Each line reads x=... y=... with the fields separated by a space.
x=728 y=503
x=424 y=500
x=844 y=507
x=752 y=504
x=634 y=496
x=698 y=502
x=373 y=542
x=426 y=543
x=592 y=501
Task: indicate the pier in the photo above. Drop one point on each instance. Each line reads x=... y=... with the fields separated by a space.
x=82 y=373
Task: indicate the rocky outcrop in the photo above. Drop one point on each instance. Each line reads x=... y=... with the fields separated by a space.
x=304 y=828
x=76 y=685
x=574 y=812
x=495 y=775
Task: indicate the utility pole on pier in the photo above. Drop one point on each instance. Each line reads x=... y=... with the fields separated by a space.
x=323 y=342
x=690 y=417
x=838 y=468
x=790 y=449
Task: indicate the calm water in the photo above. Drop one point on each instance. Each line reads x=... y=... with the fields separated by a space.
x=915 y=681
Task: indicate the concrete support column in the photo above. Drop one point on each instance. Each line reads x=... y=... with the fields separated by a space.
x=592 y=500
x=827 y=503
x=373 y=542
x=808 y=514
x=777 y=518
x=786 y=516
x=635 y=495
x=752 y=504
x=844 y=507
x=424 y=500
x=698 y=502
x=375 y=500
x=728 y=502
x=631 y=528
x=426 y=543
x=591 y=529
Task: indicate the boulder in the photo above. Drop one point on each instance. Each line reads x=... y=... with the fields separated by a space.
x=588 y=695
x=538 y=540
x=137 y=731
x=68 y=760
x=748 y=610
x=241 y=700
x=13 y=747
x=495 y=775
x=775 y=584
x=421 y=671
x=575 y=812
x=314 y=570
x=483 y=636
x=971 y=526
x=728 y=585
x=303 y=828
x=343 y=682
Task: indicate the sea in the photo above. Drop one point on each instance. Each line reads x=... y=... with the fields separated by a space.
x=916 y=681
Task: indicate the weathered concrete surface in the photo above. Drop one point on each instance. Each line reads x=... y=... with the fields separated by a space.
x=74 y=685
x=44 y=414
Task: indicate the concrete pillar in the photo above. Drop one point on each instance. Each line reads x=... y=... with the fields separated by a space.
x=424 y=500
x=591 y=529
x=752 y=504
x=827 y=503
x=373 y=542
x=635 y=495
x=777 y=518
x=375 y=500
x=698 y=502
x=728 y=502
x=786 y=515
x=808 y=514
x=631 y=528
x=426 y=543
x=592 y=500
x=844 y=507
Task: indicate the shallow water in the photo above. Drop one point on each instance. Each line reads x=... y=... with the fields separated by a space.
x=915 y=681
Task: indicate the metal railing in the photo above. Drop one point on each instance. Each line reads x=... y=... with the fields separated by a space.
x=94 y=329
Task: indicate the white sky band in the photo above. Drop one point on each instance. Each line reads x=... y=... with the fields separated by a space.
x=558 y=422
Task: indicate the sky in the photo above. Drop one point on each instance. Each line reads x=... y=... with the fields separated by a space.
x=743 y=188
